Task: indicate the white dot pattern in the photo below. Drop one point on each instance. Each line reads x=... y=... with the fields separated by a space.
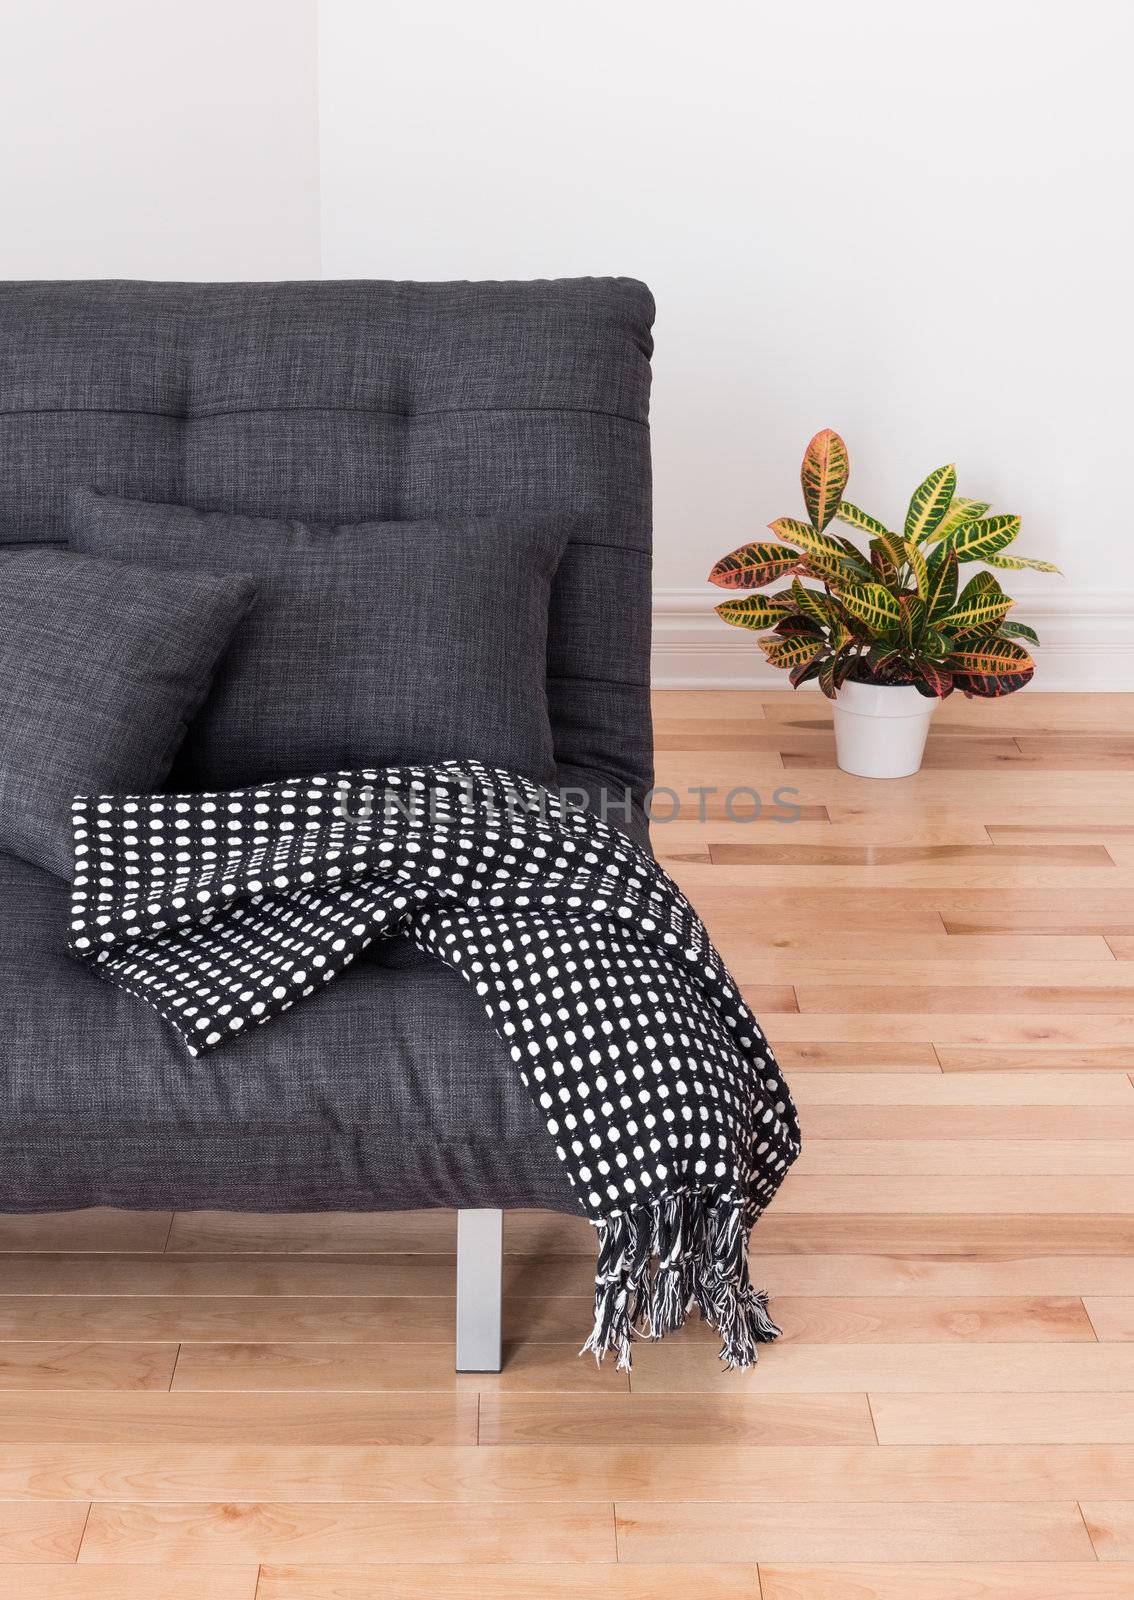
x=223 y=910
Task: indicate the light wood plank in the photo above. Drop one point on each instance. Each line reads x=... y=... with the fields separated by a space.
x=888 y=1320
x=1112 y=1317
x=510 y=1419
x=530 y=1477
x=791 y=1367
x=97 y=1229
x=987 y=1580
x=975 y=1088
x=957 y=1234
x=540 y=1368
x=129 y=1583
x=212 y=1535
x=977 y=1531
x=832 y=1057
x=192 y=1418
x=86 y=1366
x=32 y=1533
x=1111 y=1526
x=515 y=1582
x=1003 y=1196
x=973 y=1122
x=938 y=1275
x=959 y=1058
x=970 y=999
x=965 y=1158
x=807 y=972
x=1038 y=1418
x=1077 y=1029
x=201 y=1276
x=227 y=1318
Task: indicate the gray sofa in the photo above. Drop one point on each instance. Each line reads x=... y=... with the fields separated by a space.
x=331 y=402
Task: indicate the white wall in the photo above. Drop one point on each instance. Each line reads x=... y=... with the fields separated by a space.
x=153 y=140
x=909 y=222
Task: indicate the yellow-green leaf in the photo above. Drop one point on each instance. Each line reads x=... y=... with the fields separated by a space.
x=929 y=503
x=753 y=565
x=855 y=517
x=976 y=610
x=792 y=650
x=1019 y=563
x=811 y=603
x=918 y=568
x=792 y=531
x=992 y=667
x=755 y=611
x=942 y=591
x=987 y=536
x=872 y=604
x=960 y=512
x=824 y=474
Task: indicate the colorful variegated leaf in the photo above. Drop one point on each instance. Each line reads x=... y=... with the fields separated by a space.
x=992 y=667
x=854 y=517
x=977 y=541
x=753 y=565
x=929 y=503
x=834 y=571
x=808 y=669
x=883 y=564
x=942 y=574
x=819 y=544
x=872 y=604
x=1018 y=630
x=811 y=603
x=960 y=512
x=755 y=611
x=982 y=604
x=918 y=569
x=911 y=616
x=1020 y=563
x=894 y=546
x=827 y=678
x=792 y=651
x=824 y=476
x=933 y=681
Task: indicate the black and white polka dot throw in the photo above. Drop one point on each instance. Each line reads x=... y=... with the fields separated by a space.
x=659 y=1090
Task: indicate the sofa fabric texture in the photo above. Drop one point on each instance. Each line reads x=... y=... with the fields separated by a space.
x=369 y=644
x=326 y=403
x=103 y=664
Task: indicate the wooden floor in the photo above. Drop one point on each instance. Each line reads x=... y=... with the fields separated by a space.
x=212 y=1407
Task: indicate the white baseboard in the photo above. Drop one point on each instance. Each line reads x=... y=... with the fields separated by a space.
x=1088 y=643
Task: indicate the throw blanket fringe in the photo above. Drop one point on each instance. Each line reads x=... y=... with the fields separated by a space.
x=657 y=1262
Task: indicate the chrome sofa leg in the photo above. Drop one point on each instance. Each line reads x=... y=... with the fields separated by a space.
x=480 y=1267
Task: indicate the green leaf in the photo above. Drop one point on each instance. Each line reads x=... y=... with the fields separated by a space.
x=1020 y=563
x=815 y=544
x=809 y=669
x=792 y=651
x=883 y=563
x=979 y=540
x=960 y=512
x=918 y=568
x=911 y=615
x=753 y=565
x=862 y=520
x=982 y=603
x=755 y=611
x=872 y=604
x=942 y=575
x=1018 y=630
x=988 y=669
x=812 y=603
x=929 y=503
x=824 y=474
x=933 y=681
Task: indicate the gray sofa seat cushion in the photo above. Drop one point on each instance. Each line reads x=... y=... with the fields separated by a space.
x=103 y=664
x=388 y=1090
x=370 y=643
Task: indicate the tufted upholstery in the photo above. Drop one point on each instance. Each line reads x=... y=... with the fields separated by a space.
x=330 y=402
x=355 y=401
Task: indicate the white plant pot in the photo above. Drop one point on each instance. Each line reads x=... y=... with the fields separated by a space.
x=880 y=729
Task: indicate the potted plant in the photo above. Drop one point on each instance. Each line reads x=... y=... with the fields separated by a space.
x=891 y=631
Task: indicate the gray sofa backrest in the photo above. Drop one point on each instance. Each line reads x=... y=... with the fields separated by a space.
x=347 y=401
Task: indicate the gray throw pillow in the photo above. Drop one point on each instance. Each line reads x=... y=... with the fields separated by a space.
x=371 y=643
x=102 y=667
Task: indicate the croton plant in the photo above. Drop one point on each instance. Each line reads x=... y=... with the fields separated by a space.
x=895 y=613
